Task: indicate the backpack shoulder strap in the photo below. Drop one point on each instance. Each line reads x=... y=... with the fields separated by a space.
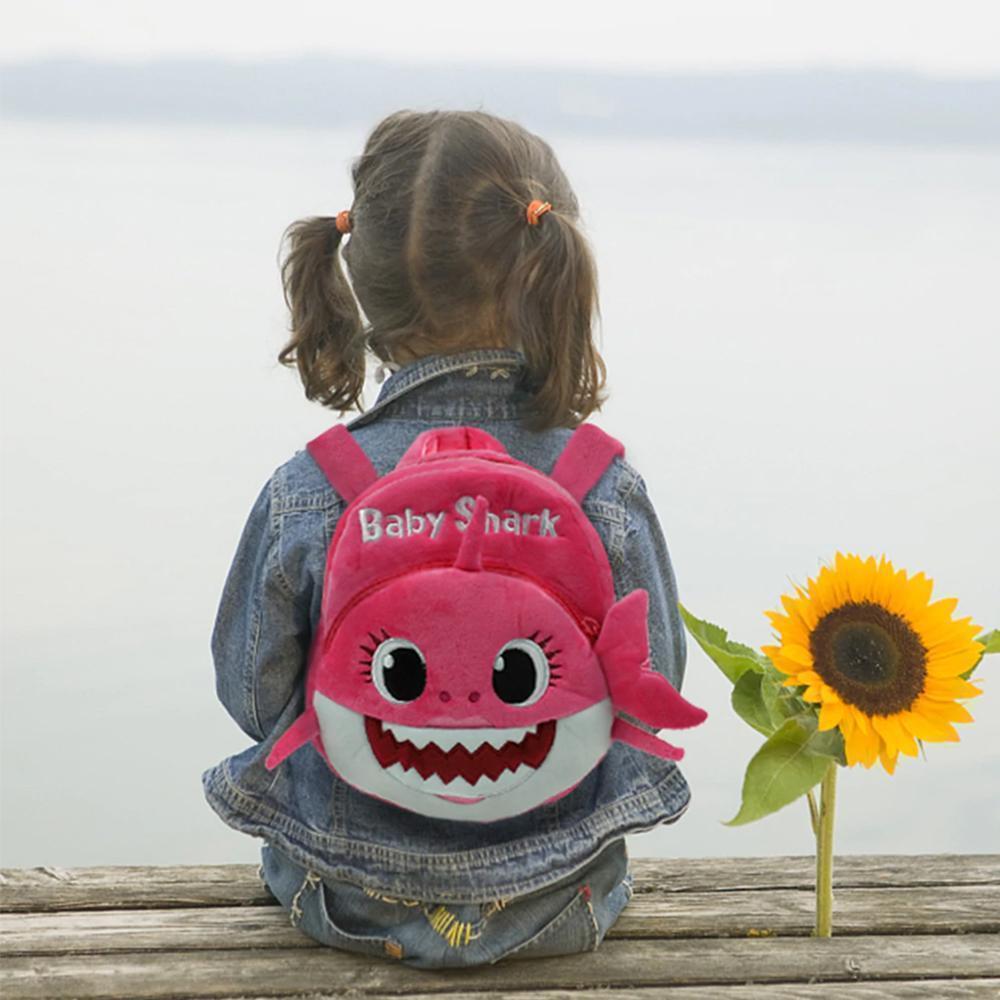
x=343 y=461
x=587 y=454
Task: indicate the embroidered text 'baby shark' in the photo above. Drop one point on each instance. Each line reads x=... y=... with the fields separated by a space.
x=376 y=524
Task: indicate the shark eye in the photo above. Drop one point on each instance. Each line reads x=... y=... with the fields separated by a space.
x=399 y=670
x=521 y=672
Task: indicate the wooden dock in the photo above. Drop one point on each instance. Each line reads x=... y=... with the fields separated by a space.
x=725 y=929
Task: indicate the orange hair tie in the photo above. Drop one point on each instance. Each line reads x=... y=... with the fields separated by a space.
x=344 y=221
x=536 y=210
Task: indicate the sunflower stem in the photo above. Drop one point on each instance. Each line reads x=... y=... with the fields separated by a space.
x=813 y=812
x=824 y=853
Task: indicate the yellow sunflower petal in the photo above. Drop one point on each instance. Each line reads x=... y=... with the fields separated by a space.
x=830 y=715
x=845 y=577
x=950 y=633
x=888 y=758
x=861 y=720
x=947 y=711
x=896 y=738
x=797 y=654
x=926 y=726
x=789 y=604
x=951 y=666
x=870 y=743
x=937 y=614
x=882 y=582
x=854 y=748
x=948 y=688
x=905 y=743
x=827 y=596
x=807 y=608
x=857 y=580
x=812 y=693
x=847 y=723
x=809 y=677
x=873 y=587
x=944 y=650
x=773 y=653
x=777 y=619
x=916 y=596
x=829 y=694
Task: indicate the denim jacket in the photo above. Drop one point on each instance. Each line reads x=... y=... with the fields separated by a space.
x=270 y=606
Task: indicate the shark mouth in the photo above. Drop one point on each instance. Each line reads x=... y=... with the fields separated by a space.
x=469 y=754
x=573 y=745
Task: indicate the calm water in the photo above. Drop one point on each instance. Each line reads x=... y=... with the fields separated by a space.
x=802 y=345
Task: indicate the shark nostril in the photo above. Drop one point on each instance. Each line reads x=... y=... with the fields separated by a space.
x=473 y=696
x=444 y=696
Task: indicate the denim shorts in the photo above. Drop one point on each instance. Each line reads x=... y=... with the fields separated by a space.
x=572 y=915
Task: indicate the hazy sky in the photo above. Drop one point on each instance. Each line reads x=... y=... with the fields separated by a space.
x=957 y=38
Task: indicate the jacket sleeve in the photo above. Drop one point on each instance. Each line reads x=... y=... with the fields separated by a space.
x=262 y=630
x=646 y=565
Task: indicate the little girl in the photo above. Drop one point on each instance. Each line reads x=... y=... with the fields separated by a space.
x=479 y=294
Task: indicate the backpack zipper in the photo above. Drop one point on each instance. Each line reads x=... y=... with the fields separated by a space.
x=589 y=626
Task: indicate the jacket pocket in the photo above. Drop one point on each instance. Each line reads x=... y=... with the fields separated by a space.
x=573 y=929
x=319 y=921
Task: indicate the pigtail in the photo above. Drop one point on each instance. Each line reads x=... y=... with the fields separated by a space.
x=550 y=304
x=327 y=343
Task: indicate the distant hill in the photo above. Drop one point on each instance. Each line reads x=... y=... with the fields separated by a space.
x=862 y=106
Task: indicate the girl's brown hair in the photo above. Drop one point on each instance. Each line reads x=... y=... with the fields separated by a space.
x=442 y=259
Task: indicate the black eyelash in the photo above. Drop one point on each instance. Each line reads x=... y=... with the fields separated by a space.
x=542 y=643
x=370 y=652
x=550 y=654
x=375 y=643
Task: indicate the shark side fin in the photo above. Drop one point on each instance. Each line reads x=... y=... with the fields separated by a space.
x=298 y=734
x=623 y=649
x=646 y=742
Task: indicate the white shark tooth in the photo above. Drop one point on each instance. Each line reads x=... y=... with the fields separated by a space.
x=446 y=739
x=419 y=736
x=498 y=737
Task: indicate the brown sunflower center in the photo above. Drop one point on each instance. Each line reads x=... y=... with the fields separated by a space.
x=871 y=657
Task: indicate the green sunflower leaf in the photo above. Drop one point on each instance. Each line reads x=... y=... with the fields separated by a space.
x=793 y=760
x=749 y=705
x=781 y=702
x=732 y=658
x=991 y=642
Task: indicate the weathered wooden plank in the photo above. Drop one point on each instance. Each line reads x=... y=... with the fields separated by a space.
x=114 y=887
x=799 y=872
x=786 y=912
x=790 y=912
x=953 y=989
x=27 y=889
x=617 y=964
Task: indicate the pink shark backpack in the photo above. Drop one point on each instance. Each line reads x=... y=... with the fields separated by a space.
x=470 y=657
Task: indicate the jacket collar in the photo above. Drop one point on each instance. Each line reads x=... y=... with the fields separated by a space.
x=434 y=367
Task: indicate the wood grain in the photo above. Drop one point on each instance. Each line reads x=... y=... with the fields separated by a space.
x=619 y=964
x=784 y=912
x=732 y=929
x=125 y=887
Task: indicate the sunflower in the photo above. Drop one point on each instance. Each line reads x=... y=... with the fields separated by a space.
x=881 y=662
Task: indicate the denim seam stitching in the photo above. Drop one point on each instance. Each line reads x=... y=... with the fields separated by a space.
x=250 y=669
x=309 y=503
x=278 y=522
x=562 y=917
x=595 y=925
x=439 y=366
x=598 y=823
